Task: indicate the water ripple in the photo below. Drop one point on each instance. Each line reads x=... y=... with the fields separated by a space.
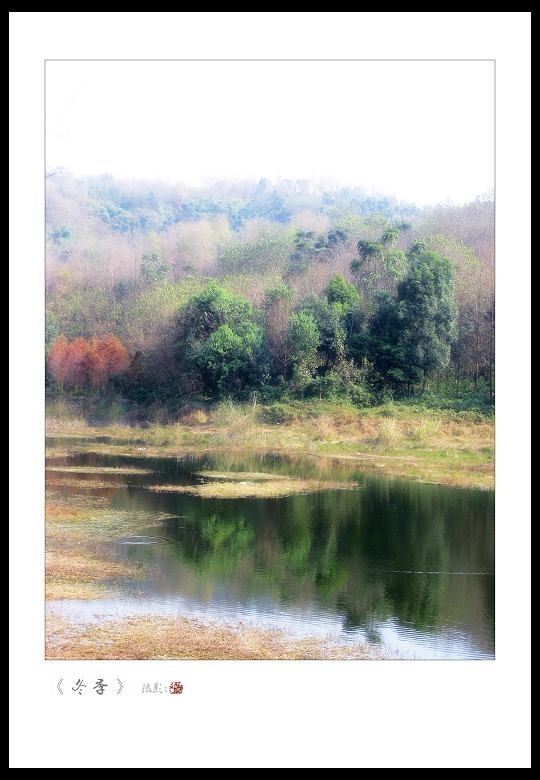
x=141 y=540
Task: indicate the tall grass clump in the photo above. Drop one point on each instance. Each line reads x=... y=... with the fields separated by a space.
x=277 y=414
x=426 y=429
x=388 y=409
x=158 y=414
x=236 y=421
x=193 y=415
x=325 y=426
x=389 y=432
x=62 y=412
x=117 y=411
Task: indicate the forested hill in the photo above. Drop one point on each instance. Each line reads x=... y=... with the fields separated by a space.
x=282 y=288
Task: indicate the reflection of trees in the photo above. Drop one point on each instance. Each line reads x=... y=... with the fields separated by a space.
x=229 y=541
x=347 y=548
x=417 y=598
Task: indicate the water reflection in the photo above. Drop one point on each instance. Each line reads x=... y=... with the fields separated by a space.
x=407 y=565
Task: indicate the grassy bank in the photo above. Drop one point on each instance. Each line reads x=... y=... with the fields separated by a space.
x=441 y=446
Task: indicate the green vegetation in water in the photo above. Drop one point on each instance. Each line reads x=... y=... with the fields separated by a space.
x=76 y=574
x=77 y=519
x=81 y=483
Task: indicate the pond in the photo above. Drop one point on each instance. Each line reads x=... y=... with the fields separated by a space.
x=409 y=567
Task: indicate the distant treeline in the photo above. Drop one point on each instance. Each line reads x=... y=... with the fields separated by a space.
x=277 y=288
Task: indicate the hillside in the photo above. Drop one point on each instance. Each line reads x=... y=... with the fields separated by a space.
x=287 y=290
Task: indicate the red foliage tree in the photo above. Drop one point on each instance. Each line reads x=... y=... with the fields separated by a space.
x=116 y=357
x=76 y=362
x=81 y=363
x=105 y=357
x=95 y=365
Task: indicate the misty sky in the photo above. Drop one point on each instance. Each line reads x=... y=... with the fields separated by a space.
x=420 y=130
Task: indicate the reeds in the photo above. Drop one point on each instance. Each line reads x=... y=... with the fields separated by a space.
x=426 y=429
x=389 y=432
x=71 y=574
x=235 y=423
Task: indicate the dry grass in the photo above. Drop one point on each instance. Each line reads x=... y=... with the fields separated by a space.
x=194 y=417
x=233 y=423
x=56 y=590
x=78 y=575
x=368 y=429
x=270 y=487
x=426 y=429
x=451 y=449
x=81 y=483
x=57 y=510
x=325 y=425
x=81 y=566
x=99 y=469
x=159 y=638
x=390 y=432
x=72 y=570
x=239 y=476
x=79 y=517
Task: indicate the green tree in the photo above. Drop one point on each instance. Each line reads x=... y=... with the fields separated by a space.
x=346 y=295
x=303 y=340
x=379 y=265
x=330 y=319
x=381 y=344
x=228 y=358
x=340 y=291
x=427 y=314
x=218 y=342
x=52 y=331
x=206 y=311
x=154 y=268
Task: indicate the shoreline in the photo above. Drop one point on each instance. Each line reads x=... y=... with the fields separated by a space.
x=454 y=453
x=457 y=454
x=183 y=637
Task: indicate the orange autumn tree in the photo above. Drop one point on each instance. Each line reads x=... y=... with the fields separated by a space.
x=103 y=358
x=76 y=370
x=82 y=363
